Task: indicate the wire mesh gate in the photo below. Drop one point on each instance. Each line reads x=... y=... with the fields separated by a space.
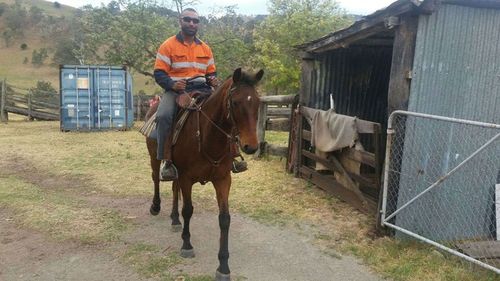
x=442 y=184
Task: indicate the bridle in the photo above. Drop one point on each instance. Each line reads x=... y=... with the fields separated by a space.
x=233 y=136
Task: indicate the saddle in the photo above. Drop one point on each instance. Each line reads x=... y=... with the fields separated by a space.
x=187 y=102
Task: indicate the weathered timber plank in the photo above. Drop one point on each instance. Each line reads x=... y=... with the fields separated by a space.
x=331 y=186
x=282 y=99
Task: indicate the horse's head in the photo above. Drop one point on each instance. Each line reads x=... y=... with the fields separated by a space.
x=243 y=103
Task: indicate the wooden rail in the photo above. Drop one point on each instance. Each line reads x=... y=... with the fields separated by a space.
x=274 y=114
x=25 y=104
x=358 y=186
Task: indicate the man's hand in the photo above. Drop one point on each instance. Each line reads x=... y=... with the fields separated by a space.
x=213 y=81
x=179 y=86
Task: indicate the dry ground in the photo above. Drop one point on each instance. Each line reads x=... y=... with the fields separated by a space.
x=74 y=206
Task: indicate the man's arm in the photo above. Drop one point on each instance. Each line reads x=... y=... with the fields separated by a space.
x=162 y=79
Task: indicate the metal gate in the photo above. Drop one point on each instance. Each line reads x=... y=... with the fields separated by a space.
x=442 y=184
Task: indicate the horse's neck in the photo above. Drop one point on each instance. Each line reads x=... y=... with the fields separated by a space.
x=215 y=109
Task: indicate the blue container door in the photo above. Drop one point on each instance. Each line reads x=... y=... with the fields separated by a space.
x=77 y=100
x=110 y=98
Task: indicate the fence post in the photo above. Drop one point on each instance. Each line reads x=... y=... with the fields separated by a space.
x=3 y=114
x=30 y=107
x=139 y=103
x=261 y=128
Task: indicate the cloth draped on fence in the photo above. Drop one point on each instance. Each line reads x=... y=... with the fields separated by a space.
x=330 y=131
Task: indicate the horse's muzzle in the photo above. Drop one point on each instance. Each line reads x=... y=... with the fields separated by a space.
x=248 y=149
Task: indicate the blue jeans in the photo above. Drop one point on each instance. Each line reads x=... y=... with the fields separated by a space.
x=165 y=115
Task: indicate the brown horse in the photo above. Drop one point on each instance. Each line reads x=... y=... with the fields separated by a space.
x=203 y=153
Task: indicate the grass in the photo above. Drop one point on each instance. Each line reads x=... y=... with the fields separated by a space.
x=26 y=75
x=116 y=164
x=150 y=262
x=58 y=215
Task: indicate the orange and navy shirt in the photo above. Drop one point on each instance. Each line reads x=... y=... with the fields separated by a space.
x=176 y=60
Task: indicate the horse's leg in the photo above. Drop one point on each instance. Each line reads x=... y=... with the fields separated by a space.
x=174 y=215
x=187 y=250
x=222 y=189
x=155 y=175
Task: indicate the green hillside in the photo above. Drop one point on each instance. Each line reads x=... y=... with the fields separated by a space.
x=16 y=63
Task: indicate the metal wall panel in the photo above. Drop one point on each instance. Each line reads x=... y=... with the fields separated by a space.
x=456 y=74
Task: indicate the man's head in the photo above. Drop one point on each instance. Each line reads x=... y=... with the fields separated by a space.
x=189 y=21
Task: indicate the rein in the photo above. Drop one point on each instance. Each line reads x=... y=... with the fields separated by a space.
x=232 y=138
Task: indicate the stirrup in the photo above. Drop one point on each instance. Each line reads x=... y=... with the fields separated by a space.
x=168 y=171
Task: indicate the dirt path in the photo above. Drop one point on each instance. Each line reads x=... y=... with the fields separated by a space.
x=258 y=252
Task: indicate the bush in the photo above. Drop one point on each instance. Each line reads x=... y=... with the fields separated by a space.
x=39 y=57
x=45 y=92
x=3 y=7
x=24 y=46
x=57 y=5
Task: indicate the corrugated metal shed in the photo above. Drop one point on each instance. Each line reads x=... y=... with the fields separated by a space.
x=456 y=74
x=445 y=60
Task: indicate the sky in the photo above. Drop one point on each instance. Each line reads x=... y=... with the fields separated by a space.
x=256 y=7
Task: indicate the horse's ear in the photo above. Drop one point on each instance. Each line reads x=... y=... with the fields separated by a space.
x=259 y=75
x=237 y=75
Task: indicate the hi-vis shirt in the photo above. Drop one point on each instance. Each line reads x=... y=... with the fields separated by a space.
x=181 y=61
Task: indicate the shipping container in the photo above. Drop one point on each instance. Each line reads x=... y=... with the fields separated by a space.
x=95 y=98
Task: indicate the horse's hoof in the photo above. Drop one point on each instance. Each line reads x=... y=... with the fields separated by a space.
x=187 y=254
x=154 y=211
x=176 y=227
x=222 y=277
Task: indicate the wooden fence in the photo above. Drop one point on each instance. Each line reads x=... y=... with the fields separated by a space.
x=141 y=106
x=352 y=175
x=274 y=115
x=23 y=102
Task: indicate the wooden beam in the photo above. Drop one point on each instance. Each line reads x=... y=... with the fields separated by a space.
x=306 y=79
x=364 y=28
x=281 y=151
x=362 y=156
x=3 y=94
x=280 y=100
x=261 y=127
x=331 y=186
x=278 y=111
x=402 y=64
x=278 y=124
x=34 y=114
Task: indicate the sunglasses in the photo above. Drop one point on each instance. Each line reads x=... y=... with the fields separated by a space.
x=188 y=19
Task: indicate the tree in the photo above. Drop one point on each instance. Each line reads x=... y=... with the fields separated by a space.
x=7 y=36
x=226 y=34
x=16 y=17
x=57 y=5
x=39 y=57
x=290 y=23
x=35 y=15
x=130 y=37
x=65 y=51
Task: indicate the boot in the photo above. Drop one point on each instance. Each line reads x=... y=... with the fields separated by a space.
x=239 y=166
x=168 y=171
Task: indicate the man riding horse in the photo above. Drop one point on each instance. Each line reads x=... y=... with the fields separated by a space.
x=179 y=58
